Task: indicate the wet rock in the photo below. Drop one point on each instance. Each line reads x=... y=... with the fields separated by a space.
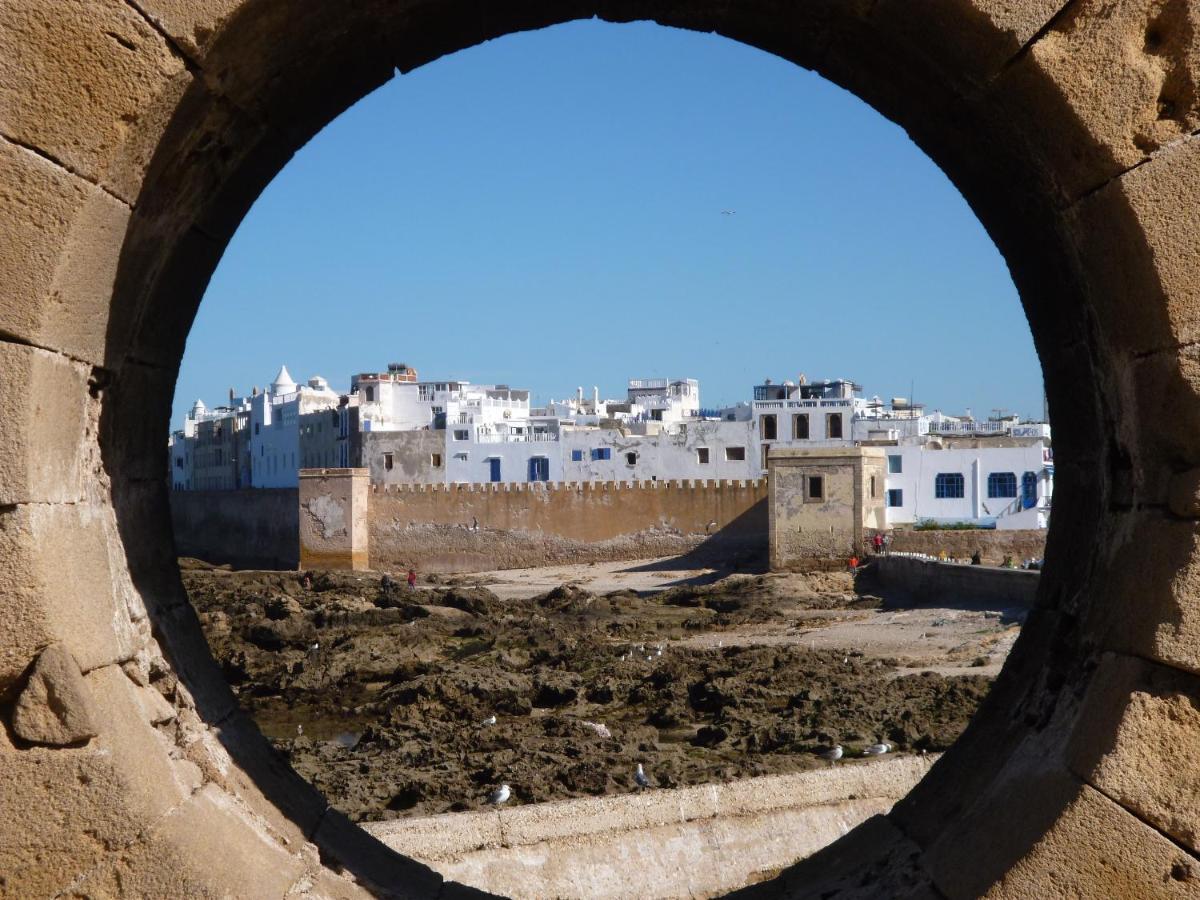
x=55 y=707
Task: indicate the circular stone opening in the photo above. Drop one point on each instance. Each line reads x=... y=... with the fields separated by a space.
x=188 y=114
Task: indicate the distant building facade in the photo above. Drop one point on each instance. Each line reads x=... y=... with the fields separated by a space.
x=993 y=473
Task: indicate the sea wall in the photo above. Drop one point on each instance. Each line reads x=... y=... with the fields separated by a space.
x=992 y=544
x=249 y=529
x=464 y=528
x=687 y=842
x=903 y=579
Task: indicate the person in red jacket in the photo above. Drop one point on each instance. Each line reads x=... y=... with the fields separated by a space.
x=412 y=579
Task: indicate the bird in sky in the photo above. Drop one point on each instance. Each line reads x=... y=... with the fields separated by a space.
x=729 y=212
x=500 y=795
x=640 y=777
x=877 y=749
x=832 y=755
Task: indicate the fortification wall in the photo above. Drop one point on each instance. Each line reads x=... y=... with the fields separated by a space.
x=993 y=545
x=904 y=579
x=249 y=529
x=670 y=838
x=464 y=528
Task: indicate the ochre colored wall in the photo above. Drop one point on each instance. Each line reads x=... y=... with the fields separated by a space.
x=993 y=545
x=459 y=528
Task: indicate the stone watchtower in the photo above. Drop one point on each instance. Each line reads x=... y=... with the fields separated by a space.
x=824 y=503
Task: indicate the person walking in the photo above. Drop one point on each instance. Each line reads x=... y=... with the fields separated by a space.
x=877 y=542
x=412 y=579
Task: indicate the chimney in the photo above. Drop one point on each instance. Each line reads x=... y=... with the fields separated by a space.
x=579 y=395
x=596 y=399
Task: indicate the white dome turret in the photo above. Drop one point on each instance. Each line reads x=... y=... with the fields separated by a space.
x=198 y=409
x=283 y=383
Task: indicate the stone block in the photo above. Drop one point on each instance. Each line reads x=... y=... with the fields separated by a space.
x=64 y=810
x=1158 y=562
x=156 y=782
x=1119 y=87
x=192 y=26
x=206 y=847
x=55 y=706
x=47 y=444
x=59 y=585
x=75 y=79
x=974 y=38
x=59 y=242
x=1139 y=728
x=1137 y=238
x=1097 y=849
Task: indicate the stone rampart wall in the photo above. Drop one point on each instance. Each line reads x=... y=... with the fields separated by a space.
x=462 y=528
x=992 y=544
x=907 y=580
x=249 y=529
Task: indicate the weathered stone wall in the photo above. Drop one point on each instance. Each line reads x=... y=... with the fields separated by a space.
x=412 y=453
x=135 y=135
x=248 y=529
x=993 y=544
x=811 y=531
x=465 y=528
x=682 y=842
x=333 y=519
x=906 y=580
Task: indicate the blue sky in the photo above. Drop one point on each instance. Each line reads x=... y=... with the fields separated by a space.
x=545 y=210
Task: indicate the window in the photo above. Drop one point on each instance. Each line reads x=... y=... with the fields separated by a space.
x=873 y=493
x=576 y=456
x=387 y=461
x=631 y=458
x=435 y=460
x=895 y=464
x=814 y=488
x=735 y=454
x=539 y=468
x=494 y=468
x=462 y=457
x=1002 y=484
x=370 y=395
x=800 y=426
x=256 y=427
x=462 y=434
x=702 y=455
x=768 y=428
x=895 y=497
x=833 y=425
x=1029 y=490
x=948 y=486
x=601 y=453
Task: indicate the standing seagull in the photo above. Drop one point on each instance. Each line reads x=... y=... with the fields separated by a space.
x=640 y=777
x=877 y=749
x=832 y=755
x=500 y=795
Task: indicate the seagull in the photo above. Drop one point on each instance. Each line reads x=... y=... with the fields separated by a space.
x=299 y=729
x=640 y=777
x=490 y=720
x=832 y=755
x=500 y=795
x=877 y=749
x=314 y=648
x=729 y=212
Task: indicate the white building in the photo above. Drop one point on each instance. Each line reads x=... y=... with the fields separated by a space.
x=994 y=473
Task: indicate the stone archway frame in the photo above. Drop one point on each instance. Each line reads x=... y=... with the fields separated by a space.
x=134 y=136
